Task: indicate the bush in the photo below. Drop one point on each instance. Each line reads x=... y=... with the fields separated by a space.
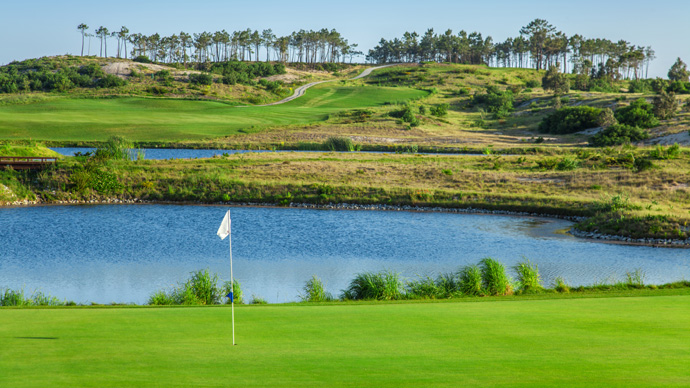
x=340 y=143
x=236 y=292
x=572 y=119
x=638 y=114
x=440 y=110
x=142 y=59
x=665 y=105
x=555 y=81
x=378 y=286
x=494 y=278
x=200 y=289
x=110 y=81
x=470 y=280
x=618 y=134
x=92 y=70
x=200 y=79
x=639 y=86
x=560 y=285
x=532 y=84
x=424 y=288
x=314 y=291
x=498 y=102
x=661 y=153
x=528 y=276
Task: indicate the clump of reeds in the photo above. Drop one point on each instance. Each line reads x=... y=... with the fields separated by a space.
x=314 y=291
x=257 y=300
x=10 y=297
x=423 y=288
x=236 y=292
x=200 y=289
x=448 y=285
x=494 y=278
x=560 y=285
x=379 y=286
x=470 y=279
x=635 y=279
x=339 y=143
x=528 y=276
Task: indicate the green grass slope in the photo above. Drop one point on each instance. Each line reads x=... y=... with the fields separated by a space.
x=611 y=342
x=142 y=119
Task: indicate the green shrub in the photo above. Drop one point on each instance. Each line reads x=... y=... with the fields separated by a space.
x=200 y=79
x=618 y=134
x=237 y=295
x=340 y=143
x=110 y=81
x=635 y=279
x=528 y=276
x=639 y=86
x=379 y=286
x=424 y=288
x=560 y=285
x=532 y=84
x=14 y=298
x=661 y=153
x=200 y=289
x=496 y=101
x=257 y=300
x=572 y=119
x=665 y=105
x=142 y=59
x=440 y=110
x=567 y=163
x=470 y=280
x=494 y=278
x=314 y=291
x=448 y=285
x=638 y=114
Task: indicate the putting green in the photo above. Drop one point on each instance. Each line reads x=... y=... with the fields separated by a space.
x=607 y=342
x=151 y=119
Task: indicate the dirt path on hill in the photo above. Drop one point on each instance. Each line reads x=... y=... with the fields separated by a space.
x=299 y=92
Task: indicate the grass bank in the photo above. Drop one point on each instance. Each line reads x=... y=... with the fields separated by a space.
x=635 y=341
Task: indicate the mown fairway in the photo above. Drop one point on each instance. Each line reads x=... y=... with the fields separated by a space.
x=634 y=341
x=149 y=119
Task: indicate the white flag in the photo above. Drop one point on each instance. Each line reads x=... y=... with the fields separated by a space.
x=224 y=229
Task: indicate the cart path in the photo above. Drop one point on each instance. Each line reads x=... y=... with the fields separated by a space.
x=299 y=92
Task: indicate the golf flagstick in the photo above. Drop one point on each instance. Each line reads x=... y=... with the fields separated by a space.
x=223 y=232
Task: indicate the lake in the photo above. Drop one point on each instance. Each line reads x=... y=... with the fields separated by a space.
x=124 y=253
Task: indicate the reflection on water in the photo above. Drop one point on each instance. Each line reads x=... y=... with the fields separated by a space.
x=110 y=253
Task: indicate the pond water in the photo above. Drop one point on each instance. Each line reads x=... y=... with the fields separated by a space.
x=124 y=253
x=175 y=153
x=160 y=153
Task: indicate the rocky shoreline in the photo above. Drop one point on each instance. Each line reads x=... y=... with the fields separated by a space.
x=654 y=242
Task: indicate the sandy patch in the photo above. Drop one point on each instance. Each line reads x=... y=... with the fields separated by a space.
x=682 y=138
x=123 y=69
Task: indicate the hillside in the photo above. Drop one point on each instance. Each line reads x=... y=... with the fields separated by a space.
x=480 y=106
x=230 y=82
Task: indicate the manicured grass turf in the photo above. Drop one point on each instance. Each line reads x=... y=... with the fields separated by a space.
x=633 y=341
x=142 y=119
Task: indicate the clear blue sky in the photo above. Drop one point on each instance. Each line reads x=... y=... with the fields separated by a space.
x=30 y=29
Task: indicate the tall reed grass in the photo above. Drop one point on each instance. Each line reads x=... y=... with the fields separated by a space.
x=314 y=291
x=470 y=279
x=384 y=285
x=528 y=277
x=494 y=278
x=200 y=289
